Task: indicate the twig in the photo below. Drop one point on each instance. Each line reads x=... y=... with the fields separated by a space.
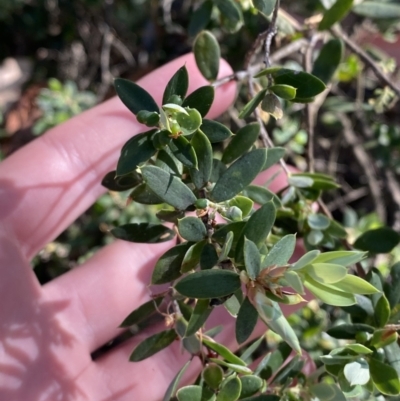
x=394 y=188
x=271 y=32
x=349 y=197
x=367 y=59
x=365 y=162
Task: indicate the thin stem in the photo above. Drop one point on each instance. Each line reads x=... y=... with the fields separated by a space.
x=271 y=32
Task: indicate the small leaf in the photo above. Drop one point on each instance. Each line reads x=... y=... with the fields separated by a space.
x=240 y=174
x=168 y=266
x=335 y=14
x=357 y=372
x=141 y=313
x=241 y=142
x=200 y=18
x=189 y=393
x=318 y=221
x=291 y=370
x=199 y=316
x=349 y=331
x=209 y=284
x=175 y=382
x=329 y=295
x=207 y=54
x=190 y=122
x=252 y=104
x=377 y=10
x=250 y=385
x=382 y=311
x=177 y=85
x=265 y=6
x=379 y=240
x=355 y=285
x=286 y=92
x=222 y=231
x=392 y=289
x=144 y=195
x=167 y=162
x=243 y=203
x=215 y=131
x=152 y=345
x=272 y=105
x=327 y=392
x=184 y=151
x=344 y=258
x=328 y=60
x=252 y=259
x=119 y=184
x=325 y=273
x=169 y=188
x=145 y=233
x=230 y=389
x=246 y=321
x=220 y=349
x=261 y=195
x=226 y=247
x=137 y=150
x=149 y=118
x=134 y=97
x=273 y=361
x=192 y=229
x=201 y=100
x=171 y=216
x=273 y=157
x=231 y=15
x=232 y=366
x=192 y=257
x=383 y=337
x=281 y=252
x=204 y=153
x=384 y=377
x=294 y=281
x=208 y=257
x=213 y=375
x=306 y=259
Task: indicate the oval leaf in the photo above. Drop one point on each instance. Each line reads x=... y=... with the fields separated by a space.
x=201 y=99
x=119 y=184
x=265 y=6
x=215 y=131
x=141 y=313
x=189 y=393
x=281 y=252
x=207 y=54
x=250 y=385
x=379 y=240
x=252 y=259
x=192 y=229
x=252 y=104
x=144 y=195
x=209 y=284
x=384 y=377
x=183 y=151
x=378 y=9
x=286 y=92
x=230 y=389
x=325 y=273
x=335 y=14
x=177 y=85
x=246 y=321
x=204 y=152
x=231 y=15
x=226 y=353
x=145 y=233
x=328 y=60
x=200 y=314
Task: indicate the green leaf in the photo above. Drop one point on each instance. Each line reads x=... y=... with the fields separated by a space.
x=263 y=397
x=189 y=123
x=329 y=295
x=200 y=18
x=355 y=285
x=271 y=314
x=281 y=252
x=221 y=232
x=335 y=14
x=307 y=85
x=149 y=118
x=327 y=392
x=250 y=385
x=265 y=6
x=201 y=100
x=306 y=259
x=175 y=382
x=137 y=150
x=225 y=352
x=167 y=162
x=349 y=331
x=252 y=259
x=383 y=337
x=392 y=353
x=192 y=257
x=325 y=273
x=382 y=311
x=141 y=313
x=184 y=151
x=318 y=221
x=378 y=240
x=144 y=195
x=241 y=142
x=232 y=366
x=209 y=284
x=226 y=247
x=252 y=104
x=177 y=85
x=204 y=153
x=272 y=105
x=208 y=257
x=312 y=180
x=286 y=92
x=168 y=266
x=392 y=290
x=378 y=10
x=273 y=361
x=199 y=316
x=357 y=372
x=384 y=377
x=231 y=15
x=243 y=203
x=294 y=281
x=169 y=188
x=213 y=375
x=240 y=174
x=246 y=321
x=290 y=370
x=119 y=184
x=328 y=60
x=207 y=54
x=171 y=216
x=192 y=229
x=273 y=157
x=248 y=353
x=261 y=195
x=189 y=393
x=344 y=258
x=152 y=345
x=134 y=97
x=145 y=233
x=230 y=389
x=215 y=131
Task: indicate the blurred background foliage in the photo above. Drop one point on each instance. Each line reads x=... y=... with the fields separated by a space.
x=59 y=57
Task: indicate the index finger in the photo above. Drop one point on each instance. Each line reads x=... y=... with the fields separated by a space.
x=47 y=184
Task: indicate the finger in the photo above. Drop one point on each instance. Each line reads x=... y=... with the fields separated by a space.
x=102 y=292
x=50 y=182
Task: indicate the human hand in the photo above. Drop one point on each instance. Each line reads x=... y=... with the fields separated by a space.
x=47 y=333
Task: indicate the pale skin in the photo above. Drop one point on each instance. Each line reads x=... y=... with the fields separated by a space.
x=47 y=333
